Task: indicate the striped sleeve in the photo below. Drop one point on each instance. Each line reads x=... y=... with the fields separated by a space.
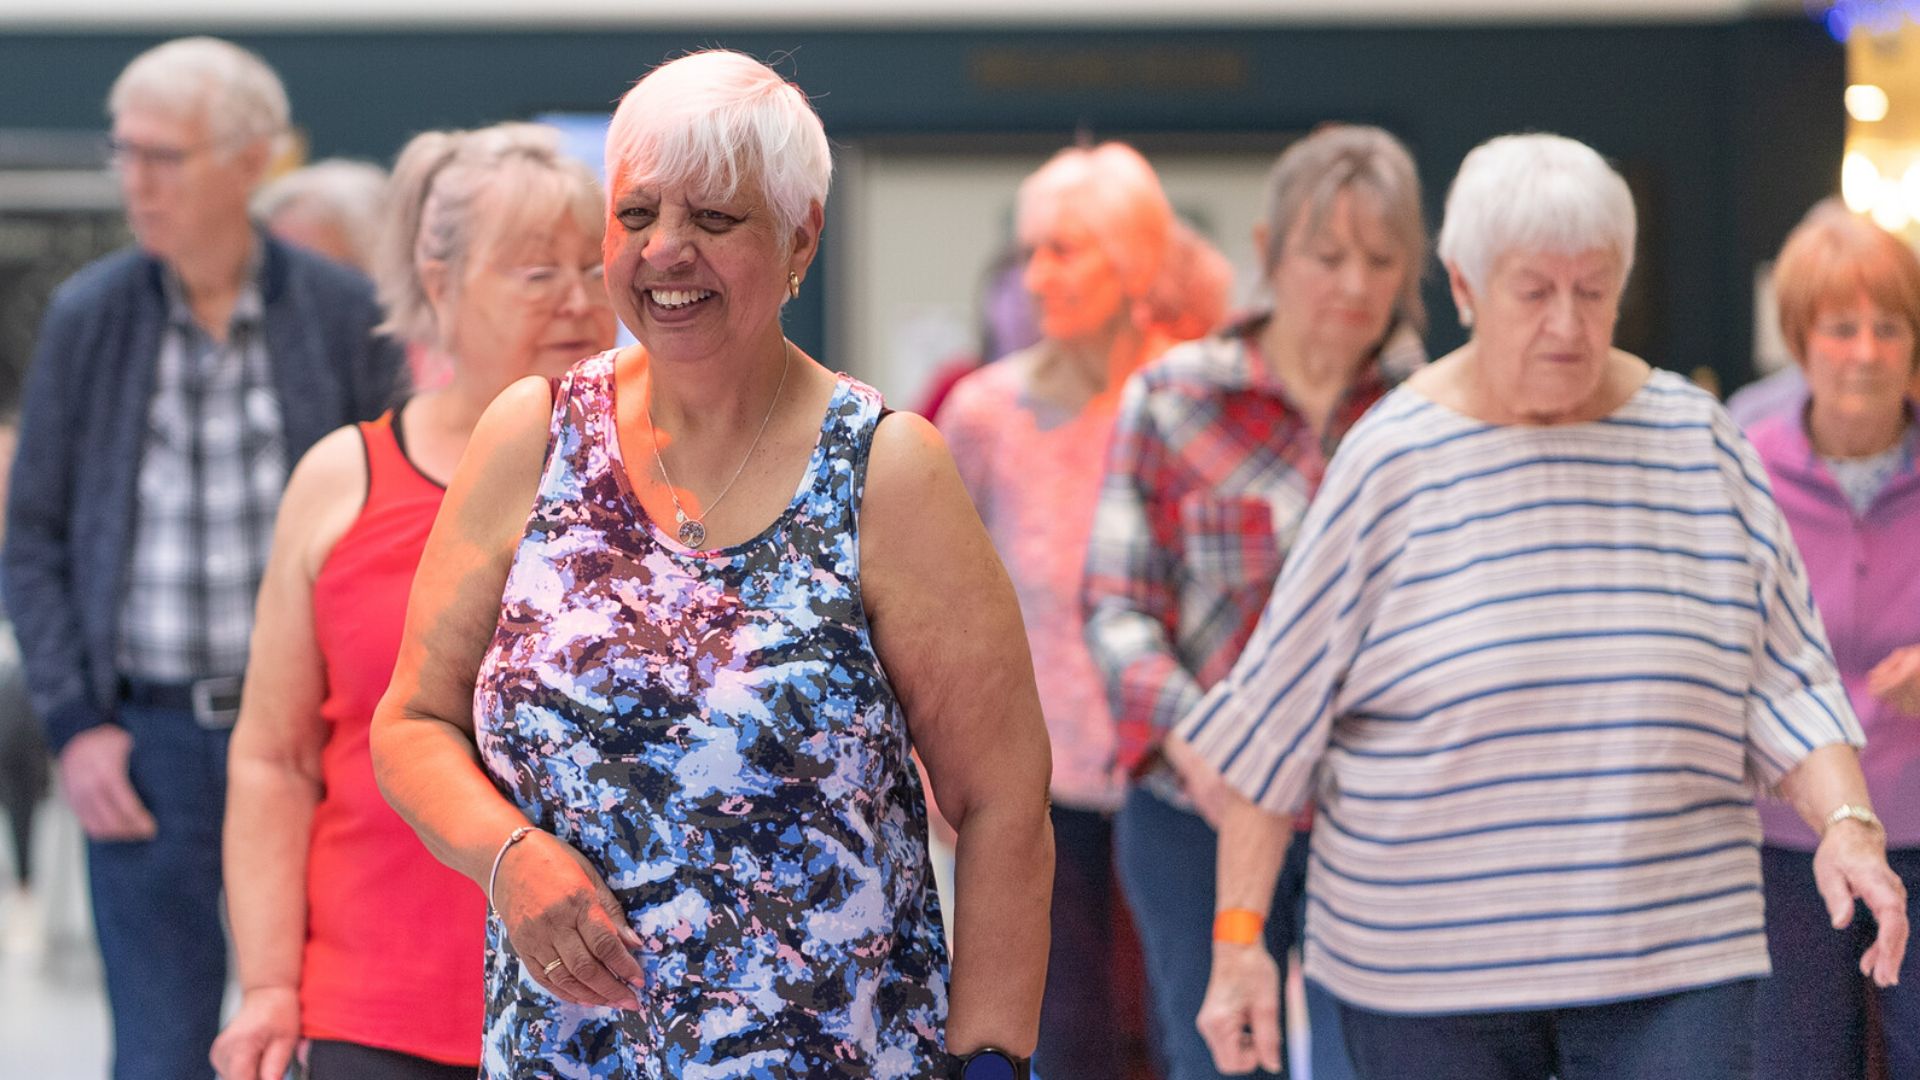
x=1796 y=702
x=1266 y=724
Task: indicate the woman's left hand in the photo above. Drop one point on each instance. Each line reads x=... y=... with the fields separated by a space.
x=1896 y=680
x=565 y=924
x=1850 y=864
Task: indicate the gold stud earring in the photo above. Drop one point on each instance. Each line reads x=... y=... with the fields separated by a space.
x=793 y=285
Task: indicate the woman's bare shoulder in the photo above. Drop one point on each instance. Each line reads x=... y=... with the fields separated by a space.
x=323 y=496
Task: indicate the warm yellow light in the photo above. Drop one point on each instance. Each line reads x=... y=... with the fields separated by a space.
x=1890 y=211
x=1910 y=189
x=1866 y=103
x=1859 y=182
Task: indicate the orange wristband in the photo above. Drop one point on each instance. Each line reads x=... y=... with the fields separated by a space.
x=1238 y=926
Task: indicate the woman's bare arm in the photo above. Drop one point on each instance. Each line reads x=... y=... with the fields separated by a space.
x=1851 y=861
x=273 y=767
x=554 y=905
x=947 y=628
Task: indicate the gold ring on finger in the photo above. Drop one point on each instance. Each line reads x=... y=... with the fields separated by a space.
x=550 y=966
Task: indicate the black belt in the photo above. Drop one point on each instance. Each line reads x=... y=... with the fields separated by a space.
x=214 y=703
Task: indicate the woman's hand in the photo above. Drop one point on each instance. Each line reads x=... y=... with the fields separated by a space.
x=1896 y=680
x=1851 y=863
x=261 y=1039
x=557 y=908
x=1240 y=1017
x=1202 y=783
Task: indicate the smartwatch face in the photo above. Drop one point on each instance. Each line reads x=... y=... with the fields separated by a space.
x=989 y=1065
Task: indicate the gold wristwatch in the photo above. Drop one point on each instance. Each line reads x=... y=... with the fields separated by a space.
x=1856 y=812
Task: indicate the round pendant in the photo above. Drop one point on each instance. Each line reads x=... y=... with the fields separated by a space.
x=692 y=533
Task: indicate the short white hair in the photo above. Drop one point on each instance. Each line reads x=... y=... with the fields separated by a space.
x=231 y=88
x=457 y=191
x=1534 y=193
x=345 y=194
x=718 y=120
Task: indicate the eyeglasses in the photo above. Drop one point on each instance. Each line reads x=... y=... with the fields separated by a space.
x=549 y=285
x=124 y=153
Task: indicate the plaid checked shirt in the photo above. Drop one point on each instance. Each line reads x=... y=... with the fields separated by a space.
x=209 y=487
x=1208 y=478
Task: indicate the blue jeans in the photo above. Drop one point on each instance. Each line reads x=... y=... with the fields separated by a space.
x=1166 y=858
x=1811 y=1018
x=156 y=903
x=1079 y=1036
x=1693 y=1035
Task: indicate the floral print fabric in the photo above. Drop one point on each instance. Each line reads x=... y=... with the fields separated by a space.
x=714 y=731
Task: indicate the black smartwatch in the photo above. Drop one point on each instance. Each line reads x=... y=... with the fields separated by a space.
x=988 y=1063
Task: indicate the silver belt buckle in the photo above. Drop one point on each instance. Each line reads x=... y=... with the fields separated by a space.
x=216 y=702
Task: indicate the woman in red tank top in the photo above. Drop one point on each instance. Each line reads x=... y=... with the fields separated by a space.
x=351 y=938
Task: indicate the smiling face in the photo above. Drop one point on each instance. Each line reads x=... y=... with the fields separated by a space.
x=1334 y=287
x=1543 y=330
x=1860 y=361
x=530 y=301
x=697 y=277
x=178 y=182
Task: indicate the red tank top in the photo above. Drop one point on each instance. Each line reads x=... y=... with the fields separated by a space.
x=394 y=939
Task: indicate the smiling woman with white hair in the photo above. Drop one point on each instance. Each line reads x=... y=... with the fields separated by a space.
x=682 y=621
x=1543 y=632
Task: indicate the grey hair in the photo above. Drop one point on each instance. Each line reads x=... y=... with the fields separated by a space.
x=1536 y=192
x=239 y=96
x=455 y=192
x=346 y=194
x=1310 y=175
x=717 y=121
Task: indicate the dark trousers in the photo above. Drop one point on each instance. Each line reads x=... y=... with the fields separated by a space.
x=1166 y=858
x=329 y=1060
x=1693 y=1035
x=1079 y=1018
x=156 y=903
x=1811 y=1018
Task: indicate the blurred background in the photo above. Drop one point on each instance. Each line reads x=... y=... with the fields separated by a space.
x=1728 y=117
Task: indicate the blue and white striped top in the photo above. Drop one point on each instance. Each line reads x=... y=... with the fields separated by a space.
x=1534 y=676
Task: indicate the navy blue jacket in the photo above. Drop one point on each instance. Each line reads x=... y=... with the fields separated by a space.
x=83 y=428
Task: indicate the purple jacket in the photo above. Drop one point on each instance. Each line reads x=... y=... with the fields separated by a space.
x=1866 y=583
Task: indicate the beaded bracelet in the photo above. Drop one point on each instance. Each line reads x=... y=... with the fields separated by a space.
x=513 y=838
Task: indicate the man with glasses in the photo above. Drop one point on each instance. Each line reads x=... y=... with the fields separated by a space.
x=172 y=385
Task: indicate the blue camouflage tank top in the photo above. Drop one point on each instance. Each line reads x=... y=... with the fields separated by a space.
x=715 y=732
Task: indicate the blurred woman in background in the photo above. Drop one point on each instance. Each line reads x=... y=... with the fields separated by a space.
x=1218 y=447
x=1029 y=435
x=1842 y=458
x=349 y=934
x=330 y=207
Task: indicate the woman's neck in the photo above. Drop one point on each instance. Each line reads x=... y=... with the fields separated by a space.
x=1836 y=435
x=696 y=400
x=1314 y=378
x=1073 y=373
x=440 y=421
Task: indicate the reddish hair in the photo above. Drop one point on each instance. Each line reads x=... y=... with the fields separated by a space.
x=1832 y=257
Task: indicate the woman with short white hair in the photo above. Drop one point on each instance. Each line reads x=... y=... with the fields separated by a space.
x=682 y=622
x=1542 y=635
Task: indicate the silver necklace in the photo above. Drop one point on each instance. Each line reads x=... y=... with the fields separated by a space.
x=693 y=530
